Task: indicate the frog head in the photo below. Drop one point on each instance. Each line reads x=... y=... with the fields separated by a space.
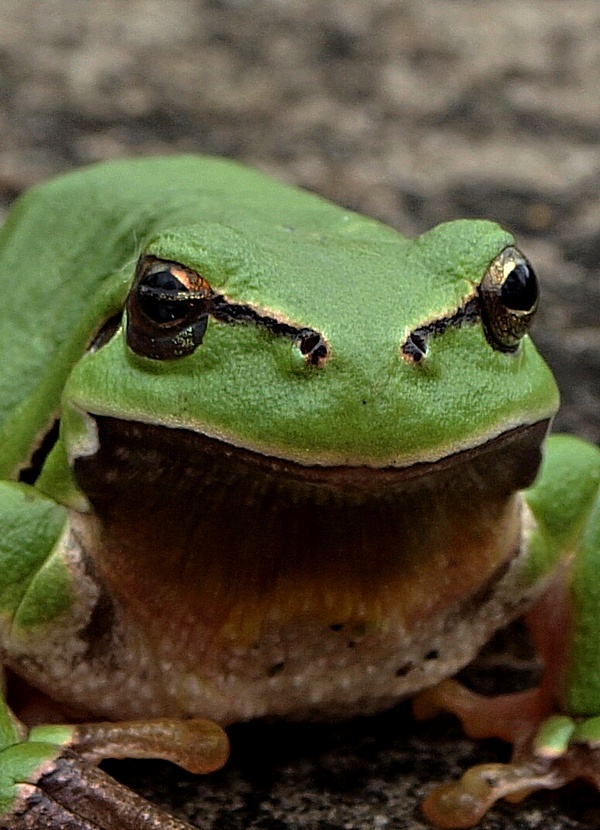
x=342 y=344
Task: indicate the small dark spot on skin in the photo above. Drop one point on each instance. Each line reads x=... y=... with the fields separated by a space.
x=336 y=626
x=276 y=669
x=404 y=670
x=432 y=655
x=351 y=643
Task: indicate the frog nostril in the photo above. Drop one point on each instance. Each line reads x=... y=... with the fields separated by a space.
x=312 y=346
x=415 y=347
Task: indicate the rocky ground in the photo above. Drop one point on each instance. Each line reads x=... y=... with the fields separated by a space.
x=414 y=112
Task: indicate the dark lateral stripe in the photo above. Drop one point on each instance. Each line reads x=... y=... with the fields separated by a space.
x=415 y=345
x=227 y=312
x=311 y=342
x=29 y=474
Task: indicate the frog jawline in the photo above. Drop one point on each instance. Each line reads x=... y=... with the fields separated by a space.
x=348 y=480
x=364 y=479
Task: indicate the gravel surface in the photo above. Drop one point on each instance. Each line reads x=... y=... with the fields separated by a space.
x=413 y=112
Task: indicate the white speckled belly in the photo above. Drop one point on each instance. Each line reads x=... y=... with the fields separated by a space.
x=123 y=671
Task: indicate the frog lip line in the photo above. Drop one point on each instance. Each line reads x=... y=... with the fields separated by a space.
x=339 y=477
x=367 y=476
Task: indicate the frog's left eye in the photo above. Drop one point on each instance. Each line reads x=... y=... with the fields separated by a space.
x=509 y=296
x=167 y=309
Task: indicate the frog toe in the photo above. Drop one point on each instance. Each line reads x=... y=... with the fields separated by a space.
x=561 y=751
x=461 y=804
x=198 y=745
x=51 y=780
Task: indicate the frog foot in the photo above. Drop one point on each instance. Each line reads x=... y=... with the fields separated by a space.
x=511 y=717
x=549 y=751
x=50 y=780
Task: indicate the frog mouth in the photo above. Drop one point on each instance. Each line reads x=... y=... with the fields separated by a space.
x=133 y=451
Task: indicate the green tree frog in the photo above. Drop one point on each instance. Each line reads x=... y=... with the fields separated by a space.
x=264 y=456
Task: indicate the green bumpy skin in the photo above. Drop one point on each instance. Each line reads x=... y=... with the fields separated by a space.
x=34 y=580
x=20 y=764
x=566 y=504
x=565 y=501
x=23 y=761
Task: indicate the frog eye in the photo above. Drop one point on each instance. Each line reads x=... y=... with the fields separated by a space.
x=167 y=309
x=509 y=295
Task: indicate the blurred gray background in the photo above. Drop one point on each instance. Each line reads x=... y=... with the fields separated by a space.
x=413 y=112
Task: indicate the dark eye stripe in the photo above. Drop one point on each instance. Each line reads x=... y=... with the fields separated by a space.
x=505 y=301
x=414 y=348
x=168 y=307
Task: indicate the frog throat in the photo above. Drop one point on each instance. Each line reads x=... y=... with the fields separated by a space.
x=198 y=530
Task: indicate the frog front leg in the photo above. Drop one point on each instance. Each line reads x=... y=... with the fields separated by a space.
x=46 y=779
x=555 y=728
x=48 y=775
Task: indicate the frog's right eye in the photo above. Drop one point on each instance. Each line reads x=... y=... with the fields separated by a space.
x=167 y=309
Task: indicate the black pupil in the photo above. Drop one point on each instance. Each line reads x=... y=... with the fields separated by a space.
x=520 y=289
x=155 y=306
